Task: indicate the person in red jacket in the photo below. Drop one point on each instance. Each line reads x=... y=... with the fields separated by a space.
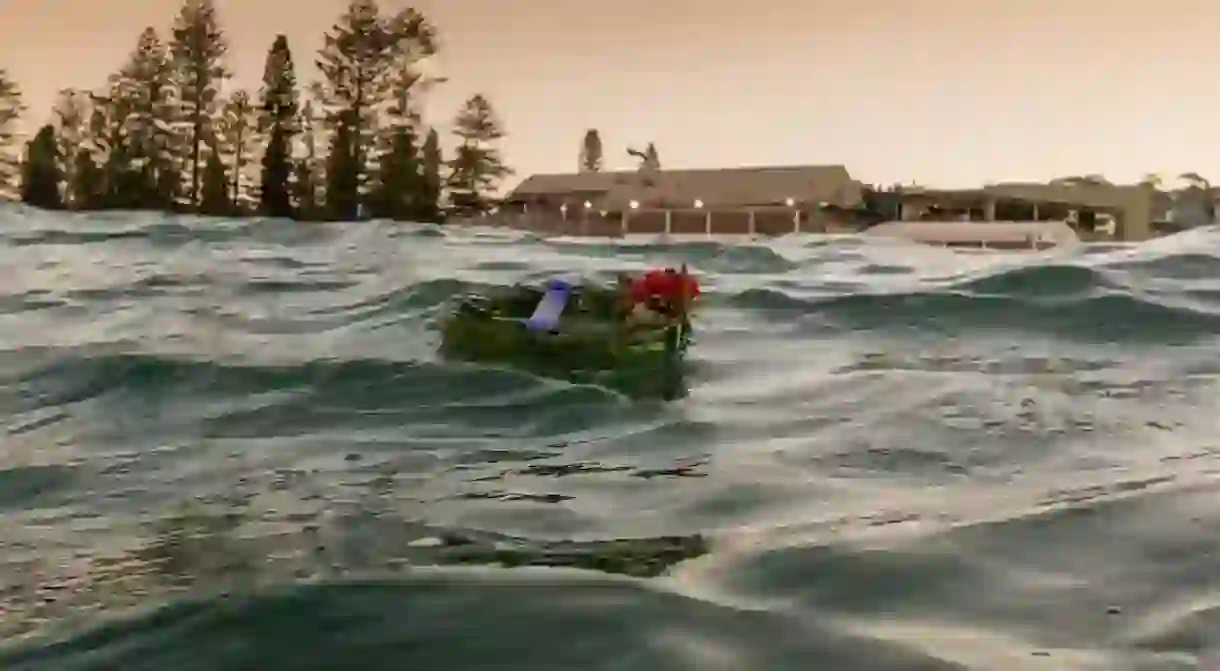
x=660 y=296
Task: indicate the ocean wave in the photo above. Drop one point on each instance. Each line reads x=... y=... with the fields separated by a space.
x=1041 y=281
x=637 y=627
x=888 y=456
x=1077 y=306
x=1179 y=266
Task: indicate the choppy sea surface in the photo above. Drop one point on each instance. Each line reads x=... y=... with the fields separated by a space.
x=230 y=445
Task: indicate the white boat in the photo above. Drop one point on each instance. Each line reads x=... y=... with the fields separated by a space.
x=997 y=235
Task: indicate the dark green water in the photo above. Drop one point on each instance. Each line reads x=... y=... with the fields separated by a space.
x=230 y=446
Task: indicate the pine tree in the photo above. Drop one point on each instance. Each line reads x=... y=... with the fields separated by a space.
x=215 y=188
x=591 y=152
x=11 y=109
x=279 y=108
x=477 y=166
x=125 y=133
x=88 y=189
x=90 y=185
x=107 y=147
x=342 y=176
x=308 y=168
x=120 y=190
x=399 y=180
x=236 y=131
x=356 y=63
x=144 y=90
x=430 y=203
x=72 y=110
x=198 y=48
x=399 y=191
x=40 y=174
x=352 y=66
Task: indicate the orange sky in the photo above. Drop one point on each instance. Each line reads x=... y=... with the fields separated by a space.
x=944 y=92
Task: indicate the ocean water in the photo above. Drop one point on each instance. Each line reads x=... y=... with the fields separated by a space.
x=230 y=445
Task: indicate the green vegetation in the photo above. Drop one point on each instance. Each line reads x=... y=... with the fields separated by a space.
x=591 y=345
x=40 y=176
x=168 y=132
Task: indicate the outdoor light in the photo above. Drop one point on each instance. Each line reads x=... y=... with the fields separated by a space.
x=790 y=202
x=588 y=205
x=563 y=207
x=698 y=204
x=635 y=204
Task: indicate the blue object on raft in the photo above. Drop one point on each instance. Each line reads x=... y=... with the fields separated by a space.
x=550 y=307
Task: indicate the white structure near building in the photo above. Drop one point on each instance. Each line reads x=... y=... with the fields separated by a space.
x=998 y=235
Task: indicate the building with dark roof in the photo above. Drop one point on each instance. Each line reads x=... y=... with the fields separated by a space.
x=752 y=200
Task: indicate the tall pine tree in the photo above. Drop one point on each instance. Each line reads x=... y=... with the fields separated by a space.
x=399 y=191
x=198 y=48
x=590 y=152
x=396 y=194
x=144 y=90
x=236 y=131
x=477 y=167
x=308 y=168
x=40 y=174
x=72 y=110
x=11 y=109
x=88 y=186
x=94 y=161
x=342 y=176
x=120 y=188
x=355 y=63
x=215 y=187
x=279 y=107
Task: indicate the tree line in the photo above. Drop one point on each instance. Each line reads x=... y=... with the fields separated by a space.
x=167 y=133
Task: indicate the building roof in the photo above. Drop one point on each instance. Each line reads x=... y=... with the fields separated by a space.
x=724 y=187
x=1087 y=195
x=1106 y=196
x=536 y=185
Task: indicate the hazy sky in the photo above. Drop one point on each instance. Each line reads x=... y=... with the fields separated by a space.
x=943 y=92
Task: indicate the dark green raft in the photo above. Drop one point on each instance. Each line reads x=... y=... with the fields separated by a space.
x=587 y=342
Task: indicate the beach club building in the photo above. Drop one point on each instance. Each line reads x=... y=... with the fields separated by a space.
x=732 y=201
x=773 y=201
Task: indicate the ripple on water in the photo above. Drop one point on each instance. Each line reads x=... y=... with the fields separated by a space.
x=230 y=445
